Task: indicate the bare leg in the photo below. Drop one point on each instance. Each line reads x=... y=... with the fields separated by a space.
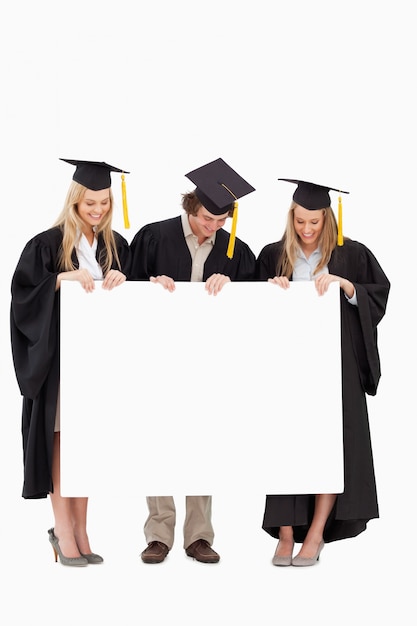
x=79 y=522
x=285 y=544
x=70 y=513
x=323 y=506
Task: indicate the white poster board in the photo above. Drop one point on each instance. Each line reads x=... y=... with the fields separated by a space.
x=165 y=393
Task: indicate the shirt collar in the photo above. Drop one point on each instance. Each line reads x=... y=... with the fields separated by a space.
x=316 y=254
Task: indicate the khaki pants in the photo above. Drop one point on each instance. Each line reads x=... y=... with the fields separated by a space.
x=160 y=523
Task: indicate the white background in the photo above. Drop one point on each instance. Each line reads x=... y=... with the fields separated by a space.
x=322 y=91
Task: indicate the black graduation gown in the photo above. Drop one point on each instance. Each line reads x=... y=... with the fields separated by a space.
x=34 y=327
x=161 y=249
x=360 y=375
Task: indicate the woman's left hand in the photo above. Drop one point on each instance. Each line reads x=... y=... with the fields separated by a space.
x=323 y=281
x=113 y=279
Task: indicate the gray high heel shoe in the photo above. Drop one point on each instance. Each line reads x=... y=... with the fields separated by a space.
x=76 y=561
x=92 y=558
x=302 y=561
x=282 y=561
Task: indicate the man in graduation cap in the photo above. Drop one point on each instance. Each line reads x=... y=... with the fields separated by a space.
x=193 y=247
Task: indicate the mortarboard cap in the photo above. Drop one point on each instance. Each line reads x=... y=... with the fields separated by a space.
x=96 y=176
x=218 y=187
x=312 y=197
x=92 y=174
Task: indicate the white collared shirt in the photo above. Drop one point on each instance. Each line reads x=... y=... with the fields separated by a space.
x=304 y=267
x=87 y=257
x=304 y=270
x=199 y=252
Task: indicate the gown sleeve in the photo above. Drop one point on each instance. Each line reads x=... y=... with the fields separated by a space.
x=266 y=263
x=247 y=262
x=34 y=315
x=123 y=250
x=372 y=289
x=372 y=285
x=143 y=250
x=241 y=267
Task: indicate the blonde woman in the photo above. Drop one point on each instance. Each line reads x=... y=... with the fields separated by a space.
x=81 y=246
x=313 y=248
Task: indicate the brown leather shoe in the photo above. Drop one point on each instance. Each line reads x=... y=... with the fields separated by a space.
x=155 y=552
x=201 y=551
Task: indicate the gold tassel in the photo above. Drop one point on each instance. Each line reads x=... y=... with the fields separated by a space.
x=124 y=199
x=232 y=238
x=340 y=223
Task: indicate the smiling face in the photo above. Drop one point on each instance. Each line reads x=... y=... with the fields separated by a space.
x=204 y=223
x=308 y=225
x=93 y=207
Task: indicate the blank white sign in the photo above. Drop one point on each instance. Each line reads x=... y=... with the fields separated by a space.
x=183 y=392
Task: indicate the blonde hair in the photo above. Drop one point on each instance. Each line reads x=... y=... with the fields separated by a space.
x=71 y=226
x=327 y=242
